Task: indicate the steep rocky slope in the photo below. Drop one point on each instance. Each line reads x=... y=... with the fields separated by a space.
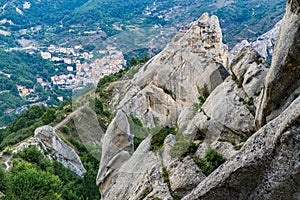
x=187 y=86
x=192 y=64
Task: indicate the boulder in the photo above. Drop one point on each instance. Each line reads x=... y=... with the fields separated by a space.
x=250 y=70
x=224 y=116
x=183 y=173
x=138 y=178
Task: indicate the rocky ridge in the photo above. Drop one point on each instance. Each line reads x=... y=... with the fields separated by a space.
x=187 y=85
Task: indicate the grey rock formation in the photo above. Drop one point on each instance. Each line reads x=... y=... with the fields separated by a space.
x=226 y=149
x=116 y=150
x=191 y=65
x=168 y=87
x=224 y=116
x=267 y=167
x=265 y=43
x=140 y=177
x=282 y=83
x=58 y=149
x=228 y=113
x=184 y=174
x=250 y=69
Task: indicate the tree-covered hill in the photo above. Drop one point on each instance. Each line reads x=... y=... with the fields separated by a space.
x=71 y=21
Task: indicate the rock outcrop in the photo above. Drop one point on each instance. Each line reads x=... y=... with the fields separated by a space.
x=116 y=150
x=282 y=83
x=183 y=174
x=59 y=150
x=228 y=113
x=267 y=167
x=190 y=66
x=186 y=85
x=140 y=177
x=52 y=146
x=250 y=70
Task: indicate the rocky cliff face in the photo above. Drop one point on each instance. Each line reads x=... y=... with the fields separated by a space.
x=187 y=85
x=282 y=84
x=192 y=64
x=53 y=147
x=58 y=149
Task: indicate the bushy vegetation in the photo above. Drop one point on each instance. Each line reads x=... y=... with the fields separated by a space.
x=35 y=177
x=158 y=138
x=184 y=147
x=211 y=161
x=137 y=129
x=198 y=106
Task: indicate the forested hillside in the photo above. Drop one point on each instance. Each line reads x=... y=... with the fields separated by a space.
x=20 y=69
x=72 y=21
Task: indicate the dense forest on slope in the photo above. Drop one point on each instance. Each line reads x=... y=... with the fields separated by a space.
x=20 y=68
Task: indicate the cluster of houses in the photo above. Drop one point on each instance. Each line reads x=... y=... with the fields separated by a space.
x=65 y=55
x=109 y=61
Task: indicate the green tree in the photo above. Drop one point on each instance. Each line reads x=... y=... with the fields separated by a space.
x=49 y=116
x=31 y=154
x=26 y=182
x=133 y=61
x=2 y=179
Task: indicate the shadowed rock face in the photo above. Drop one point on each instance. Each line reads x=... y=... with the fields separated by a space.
x=282 y=84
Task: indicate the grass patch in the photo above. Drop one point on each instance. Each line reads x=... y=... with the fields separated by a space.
x=136 y=120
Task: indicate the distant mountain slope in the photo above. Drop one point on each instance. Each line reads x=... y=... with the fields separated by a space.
x=65 y=21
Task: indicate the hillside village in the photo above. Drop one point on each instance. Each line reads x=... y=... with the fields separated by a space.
x=82 y=68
